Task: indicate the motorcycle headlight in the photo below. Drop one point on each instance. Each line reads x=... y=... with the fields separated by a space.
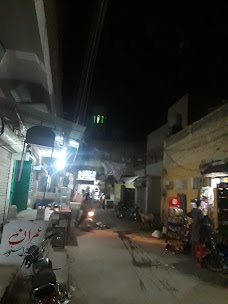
x=90 y=213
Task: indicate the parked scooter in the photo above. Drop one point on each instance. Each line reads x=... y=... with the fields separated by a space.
x=45 y=288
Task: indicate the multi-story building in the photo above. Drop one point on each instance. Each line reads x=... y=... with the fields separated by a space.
x=194 y=160
x=30 y=91
x=153 y=187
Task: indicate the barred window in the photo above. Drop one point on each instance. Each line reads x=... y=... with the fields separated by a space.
x=181 y=184
x=199 y=182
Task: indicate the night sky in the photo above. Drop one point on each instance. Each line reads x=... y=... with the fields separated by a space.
x=150 y=54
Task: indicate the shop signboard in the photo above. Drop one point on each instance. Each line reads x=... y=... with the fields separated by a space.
x=17 y=237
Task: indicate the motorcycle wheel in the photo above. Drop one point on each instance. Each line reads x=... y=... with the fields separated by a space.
x=213 y=262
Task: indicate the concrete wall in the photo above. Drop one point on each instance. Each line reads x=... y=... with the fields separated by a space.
x=154 y=195
x=154 y=169
x=180 y=107
x=19 y=28
x=30 y=36
x=140 y=172
x=54 y=27
x=202 y=142
x=155 y=143
x=157 y=137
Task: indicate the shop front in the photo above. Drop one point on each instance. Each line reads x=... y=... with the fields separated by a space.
x=215 y=200
x=214 y=197
x=86 y=181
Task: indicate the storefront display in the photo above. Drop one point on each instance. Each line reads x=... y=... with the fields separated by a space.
x=207 y=201
x=222 y=197
x=176 y=232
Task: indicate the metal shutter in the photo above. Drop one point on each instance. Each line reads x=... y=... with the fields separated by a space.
x=5 y=162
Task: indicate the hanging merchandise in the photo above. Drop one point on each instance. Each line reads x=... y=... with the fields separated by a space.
x=176 y=232
x=207 y=200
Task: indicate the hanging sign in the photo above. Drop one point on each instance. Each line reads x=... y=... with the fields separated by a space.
x=174 y=202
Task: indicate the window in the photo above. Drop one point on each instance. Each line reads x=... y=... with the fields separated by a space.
x=181 y=184
x=199 y=182
x=168 y=185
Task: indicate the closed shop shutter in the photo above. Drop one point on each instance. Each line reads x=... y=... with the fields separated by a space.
x=5 y=162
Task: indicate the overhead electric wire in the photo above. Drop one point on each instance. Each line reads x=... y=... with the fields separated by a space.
x=93 y=62
x=89 y=62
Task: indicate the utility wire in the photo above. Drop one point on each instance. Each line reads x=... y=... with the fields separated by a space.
x=93 y=61
x=89 y=61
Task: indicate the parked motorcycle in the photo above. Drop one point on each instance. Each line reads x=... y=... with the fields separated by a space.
x=212 y=258
x=123 y=211
x=45 y=288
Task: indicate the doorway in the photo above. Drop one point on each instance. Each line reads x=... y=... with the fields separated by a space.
x=19 y=191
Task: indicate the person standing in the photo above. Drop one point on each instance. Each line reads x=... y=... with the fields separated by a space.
x=86 y=206
x=196 y=215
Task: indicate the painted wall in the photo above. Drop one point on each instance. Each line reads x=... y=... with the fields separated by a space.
x=117 y=193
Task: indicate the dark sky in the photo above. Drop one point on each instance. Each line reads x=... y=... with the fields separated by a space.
x=149 y=55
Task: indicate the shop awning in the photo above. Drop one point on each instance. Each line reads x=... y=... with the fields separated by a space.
x=61 y=127
x=217 y=168
x=128 y=179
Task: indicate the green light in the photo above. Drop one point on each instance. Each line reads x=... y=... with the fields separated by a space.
x=98 y=119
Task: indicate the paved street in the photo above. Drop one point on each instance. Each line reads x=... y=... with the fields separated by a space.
x=125 y=265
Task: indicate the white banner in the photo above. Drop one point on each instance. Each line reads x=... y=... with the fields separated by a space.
x=17 y=237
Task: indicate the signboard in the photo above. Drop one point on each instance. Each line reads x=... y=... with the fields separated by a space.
x=87 y=175
x=17 y=237
x=174 y=202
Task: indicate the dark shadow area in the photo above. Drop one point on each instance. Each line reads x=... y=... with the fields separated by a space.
x=189 y=268
x=18 y=292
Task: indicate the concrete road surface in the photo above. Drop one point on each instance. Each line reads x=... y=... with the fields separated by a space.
x=123 y=265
